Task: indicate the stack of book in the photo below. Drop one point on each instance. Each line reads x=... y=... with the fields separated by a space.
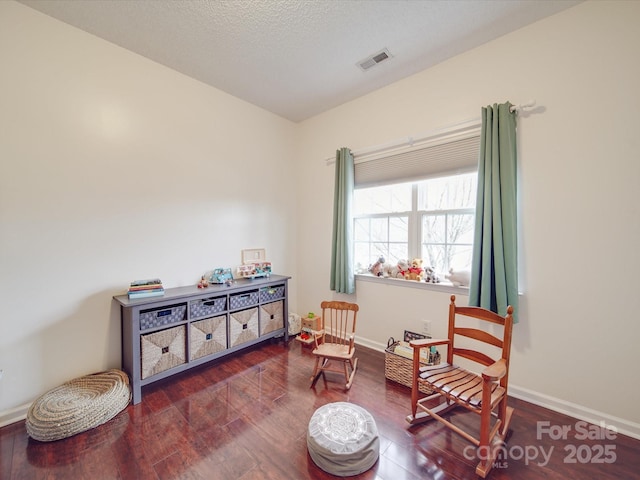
x=146 y=288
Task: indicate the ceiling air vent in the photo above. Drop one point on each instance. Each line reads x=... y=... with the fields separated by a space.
x=373 y=60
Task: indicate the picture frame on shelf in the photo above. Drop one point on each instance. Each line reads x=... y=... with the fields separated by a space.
x=253 y=255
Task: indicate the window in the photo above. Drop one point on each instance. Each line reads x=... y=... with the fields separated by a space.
x=416 y=199
x=381 y=224
x=431 y=219
x=447 y=210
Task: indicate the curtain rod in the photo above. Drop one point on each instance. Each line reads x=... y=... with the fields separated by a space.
x=522 y=106
x=433 y=136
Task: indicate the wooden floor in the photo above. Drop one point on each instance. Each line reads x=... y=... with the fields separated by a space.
x=246 y=418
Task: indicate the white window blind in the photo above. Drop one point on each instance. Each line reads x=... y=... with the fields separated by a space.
x=445 y=157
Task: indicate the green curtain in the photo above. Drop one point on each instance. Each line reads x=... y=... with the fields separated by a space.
x=494 y=270
x=342 y=278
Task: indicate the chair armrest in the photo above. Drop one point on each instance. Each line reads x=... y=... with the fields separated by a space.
x=495 y=371
x=429 y=342
x=318 y=334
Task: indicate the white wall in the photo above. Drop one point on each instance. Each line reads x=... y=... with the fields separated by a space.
x=114 y=168
x=575 y=346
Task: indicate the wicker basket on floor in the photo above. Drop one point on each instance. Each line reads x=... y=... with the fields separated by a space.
x=399 y=369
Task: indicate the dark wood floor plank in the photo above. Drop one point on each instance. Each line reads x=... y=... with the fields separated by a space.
x=246 y=418
x=7 y=439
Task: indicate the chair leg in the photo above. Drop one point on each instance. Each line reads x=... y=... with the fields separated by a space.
x=349 y=370
x=492 y=445
x=485 y=449
x=316 y=372
x=349 y=378
x=505 y=414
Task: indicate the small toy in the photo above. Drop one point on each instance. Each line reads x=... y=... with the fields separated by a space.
x=415 y=270
x=377 y=269
x=400 y=270
x=430 y=275
x=221 y=275
x=311 y=322
x=203 y=283
x=460 y=278
x=255 y=270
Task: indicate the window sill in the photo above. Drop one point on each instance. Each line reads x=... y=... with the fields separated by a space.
x=443 y=287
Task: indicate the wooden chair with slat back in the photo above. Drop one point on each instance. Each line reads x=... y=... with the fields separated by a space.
x=336 y=343
x=484 y=393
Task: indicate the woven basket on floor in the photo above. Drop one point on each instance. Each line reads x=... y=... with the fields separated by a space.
x=400 y=369
x=78 y=405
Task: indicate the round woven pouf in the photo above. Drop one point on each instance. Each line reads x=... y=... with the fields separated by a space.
x=343 y=439
x=78 y=405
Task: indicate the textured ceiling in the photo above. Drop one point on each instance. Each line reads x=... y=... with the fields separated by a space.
x=298 y=58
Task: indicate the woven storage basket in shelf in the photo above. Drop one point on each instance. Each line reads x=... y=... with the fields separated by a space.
x=400 y=369
x=271 y=317
x=207 y=307
x=243 y=326
x=162 y=350
x=208 y=336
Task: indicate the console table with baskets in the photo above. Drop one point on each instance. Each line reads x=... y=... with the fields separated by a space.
x=188 y=326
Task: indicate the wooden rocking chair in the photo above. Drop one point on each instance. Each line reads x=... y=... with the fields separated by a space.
x=336 y=341
x=484 y=393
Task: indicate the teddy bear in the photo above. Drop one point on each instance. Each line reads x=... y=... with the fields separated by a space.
x=430 y=275
x=459 y=278
x=415 y=270
x=400 y=270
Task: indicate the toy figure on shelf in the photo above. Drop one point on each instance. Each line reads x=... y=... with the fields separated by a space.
x=400 y=270
x=430 y=275
x=377 y=269
x=255 y=270
x=203 y=283
x=459 y=277
x=415 y=270
x=221 y=275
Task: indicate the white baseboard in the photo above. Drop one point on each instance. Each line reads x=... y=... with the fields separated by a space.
x=369 y=344
x=14 y=415
x=579 y=412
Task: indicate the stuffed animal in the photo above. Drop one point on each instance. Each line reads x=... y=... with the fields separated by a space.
x=415 y=270
x=377 y=269
x=460 y=278
x=400 y=270
x=387 y=270
x=430 y=275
